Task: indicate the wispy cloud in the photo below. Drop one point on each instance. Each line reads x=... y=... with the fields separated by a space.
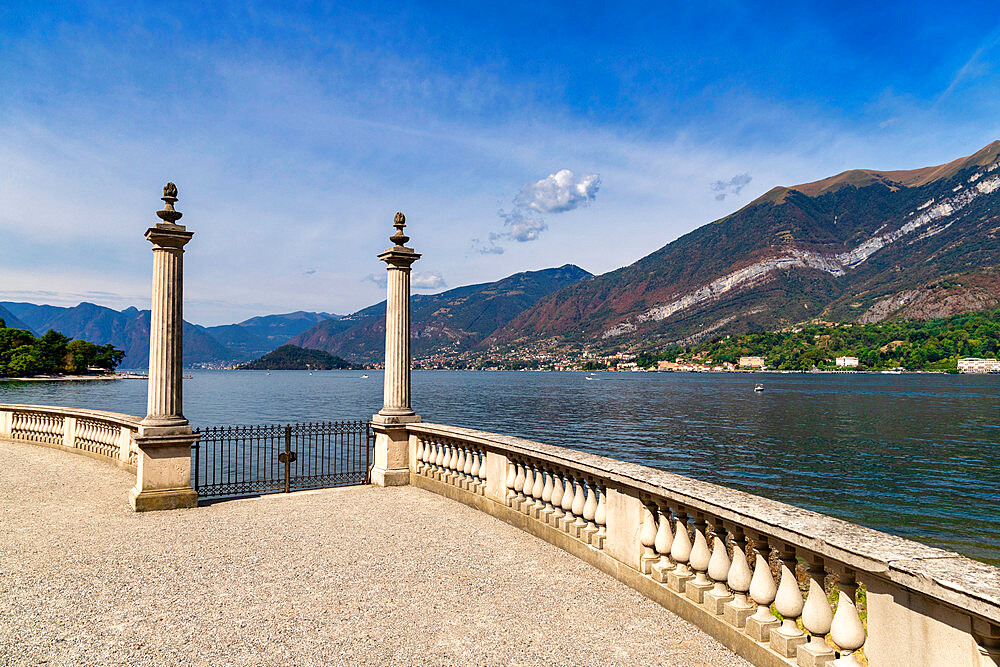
x=556 y=193
x=972 y=68
x=731 y=187
x=423 y=280
x=428 y=280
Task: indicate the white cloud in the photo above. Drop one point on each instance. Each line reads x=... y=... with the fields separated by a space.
x=427 y=280
x=379 y=279
x=418 y=279
x=520 y=227
x=559 y=192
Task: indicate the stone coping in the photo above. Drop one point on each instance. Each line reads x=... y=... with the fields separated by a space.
x=946 y=576
x=119 y=418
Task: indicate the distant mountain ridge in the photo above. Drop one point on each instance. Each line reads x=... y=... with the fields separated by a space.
x=862 y=244
x=128 y=330
x=441 y=324
x=11 y=321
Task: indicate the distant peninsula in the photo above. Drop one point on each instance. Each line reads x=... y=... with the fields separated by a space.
x=294 y=358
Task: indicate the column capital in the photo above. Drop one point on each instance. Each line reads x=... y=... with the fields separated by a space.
x=164 y=235
x=399 y=257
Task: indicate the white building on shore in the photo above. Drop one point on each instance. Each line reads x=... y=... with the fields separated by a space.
x=847 y=362
x=976 y=365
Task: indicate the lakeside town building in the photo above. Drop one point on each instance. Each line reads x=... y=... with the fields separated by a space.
x=977 y=365
x=751 y=362
x=847 y=362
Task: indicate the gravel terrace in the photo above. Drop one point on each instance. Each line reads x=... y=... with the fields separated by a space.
x=357 y=575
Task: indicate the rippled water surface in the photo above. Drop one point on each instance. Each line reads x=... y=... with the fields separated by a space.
x=914 y=455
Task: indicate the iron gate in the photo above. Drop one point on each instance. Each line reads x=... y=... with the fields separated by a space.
x=272 y=458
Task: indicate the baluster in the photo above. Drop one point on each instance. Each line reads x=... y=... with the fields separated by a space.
x=454 y=472
x=680 y=551
x=763 y=590
x=718 y=570
x=788 y=602
x=482 y=472
x=590 y=512
x=547 y=492
x=987 y=636
x=664 y=538
x=474 y=470
x=739 y=609
x=816 y=619
x=699 y=560
x=846 y=630
x=428 y=458
x=510 y=481
x=647 y=538
x=567 y=504
x=557 y=498
x=536 y=492
x=443 y=458
x=460 y=466
x=529 y=484
x=470 y=480
x=439 y=461
x=579 y=501
x=601 y=519
x=419 y=458
x=518 y=487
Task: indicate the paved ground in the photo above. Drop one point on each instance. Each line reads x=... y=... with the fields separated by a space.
x=340 y=576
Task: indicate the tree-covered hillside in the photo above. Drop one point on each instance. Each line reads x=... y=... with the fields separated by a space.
x=930 y=345
x=294 y=358
x=24 y=355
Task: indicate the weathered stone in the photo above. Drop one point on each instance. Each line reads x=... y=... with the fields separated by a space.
x=786 y=645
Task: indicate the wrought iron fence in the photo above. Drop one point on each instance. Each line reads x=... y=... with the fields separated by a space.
x=272 y=458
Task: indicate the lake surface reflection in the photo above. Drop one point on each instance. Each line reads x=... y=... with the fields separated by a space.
x=914 y=455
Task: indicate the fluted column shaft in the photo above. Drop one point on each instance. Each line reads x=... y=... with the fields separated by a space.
x=396 y=397
x=164 y=403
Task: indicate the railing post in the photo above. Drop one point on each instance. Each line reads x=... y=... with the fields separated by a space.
x=69 y=432
x=163 y=473
x=287 y=460
x=6 y=418
x=392 y=467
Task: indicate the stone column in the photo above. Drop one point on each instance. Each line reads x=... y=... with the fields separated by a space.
x=392 y=467
x=163 y=474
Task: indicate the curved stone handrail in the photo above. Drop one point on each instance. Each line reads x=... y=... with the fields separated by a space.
x=925 y=606
x=109 y=436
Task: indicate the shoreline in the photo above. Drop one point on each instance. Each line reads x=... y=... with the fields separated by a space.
x=65 y=378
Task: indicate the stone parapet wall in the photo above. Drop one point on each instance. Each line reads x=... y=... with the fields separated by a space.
x=727 y=560
x=109 y=436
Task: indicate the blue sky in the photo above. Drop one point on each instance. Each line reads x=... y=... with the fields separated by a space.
x=514 y=136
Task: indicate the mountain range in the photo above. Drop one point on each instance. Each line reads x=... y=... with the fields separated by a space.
x=861 y=246
x=128 y=330
x=441 y=324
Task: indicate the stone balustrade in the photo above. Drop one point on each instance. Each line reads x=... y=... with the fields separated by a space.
x=777 y=584
x=109 y=436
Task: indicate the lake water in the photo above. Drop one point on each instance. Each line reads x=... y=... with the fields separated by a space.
x=914 y=455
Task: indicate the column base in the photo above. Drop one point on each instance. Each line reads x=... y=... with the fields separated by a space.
x=391 y=477
x=814 y=655
x=162 y=499
x=760 y=631
x=786 y=645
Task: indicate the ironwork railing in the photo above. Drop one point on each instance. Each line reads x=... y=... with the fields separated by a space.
x=272 y=458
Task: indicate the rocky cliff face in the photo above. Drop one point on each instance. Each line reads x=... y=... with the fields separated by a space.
x=862 y=244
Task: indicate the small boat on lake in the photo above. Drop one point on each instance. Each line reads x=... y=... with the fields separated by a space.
x=364 y=377
x=758 y=387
